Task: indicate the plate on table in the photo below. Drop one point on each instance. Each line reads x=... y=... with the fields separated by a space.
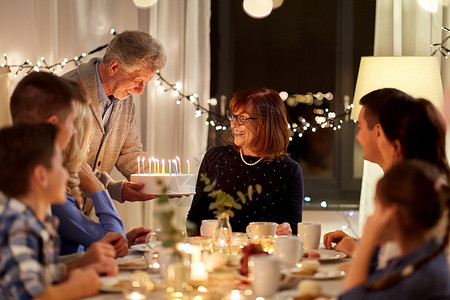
x=140 y=247
x=325 y=255
x=324 y=273
x=114 y=284
x=131 y=263
x=295 y=295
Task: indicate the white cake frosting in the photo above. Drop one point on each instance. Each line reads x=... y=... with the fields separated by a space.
x=180 y=184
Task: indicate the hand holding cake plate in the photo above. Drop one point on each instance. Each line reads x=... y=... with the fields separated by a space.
x=178 y=185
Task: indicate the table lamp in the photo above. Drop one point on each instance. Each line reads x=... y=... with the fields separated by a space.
x=418 y=76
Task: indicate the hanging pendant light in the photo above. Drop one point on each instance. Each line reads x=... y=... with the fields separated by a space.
x=258 y=9
x=429 y=5
x=144 y=3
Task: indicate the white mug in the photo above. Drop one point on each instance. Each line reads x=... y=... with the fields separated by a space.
x=208 y=227
x=309 y=233
x=261 y=229
x=289 y=249
x=264 y=274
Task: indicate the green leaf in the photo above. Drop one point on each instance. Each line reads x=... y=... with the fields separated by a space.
x=208 y=188
x=237 y=206
x=212 y=205
x=258 y=188
x=230 y=213
x=250 y=192
x=205 y=179
x=241 y=197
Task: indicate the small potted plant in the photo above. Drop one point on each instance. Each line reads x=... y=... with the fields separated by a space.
x=222 y=207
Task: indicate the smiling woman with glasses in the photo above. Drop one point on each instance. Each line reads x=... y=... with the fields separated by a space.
x=258 y=155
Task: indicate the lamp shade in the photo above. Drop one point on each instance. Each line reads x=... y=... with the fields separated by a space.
x=418 y=76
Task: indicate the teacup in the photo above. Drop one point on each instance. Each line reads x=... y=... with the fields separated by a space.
x=309 y=233
x=261 y=229
x=208 y=227
x=264 y=274
x=289 y=249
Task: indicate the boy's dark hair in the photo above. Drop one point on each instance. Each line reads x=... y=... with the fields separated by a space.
x=41 y=95
x=22 y=148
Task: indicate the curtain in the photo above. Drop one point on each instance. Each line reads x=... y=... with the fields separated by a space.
x=5 y=116
x=58 y=29
x=403 y=28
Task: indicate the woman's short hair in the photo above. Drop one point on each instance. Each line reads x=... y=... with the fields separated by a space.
x=270 y=112
x=22 y=148
x=136 y=50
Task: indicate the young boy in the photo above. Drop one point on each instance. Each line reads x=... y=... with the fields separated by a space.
x=32 y=175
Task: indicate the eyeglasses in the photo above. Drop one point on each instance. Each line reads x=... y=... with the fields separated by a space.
x=240 y=119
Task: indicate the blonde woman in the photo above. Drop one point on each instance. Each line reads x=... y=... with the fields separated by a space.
x=78 y=231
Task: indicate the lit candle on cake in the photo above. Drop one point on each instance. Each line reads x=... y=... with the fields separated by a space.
x=163 y=167
x=179 y=162
x=139 y=160
x=149 y=166
x=189 y=167
x=154 y=164
x=170 y=167
x=143 y=165
x=175 y=165
x=157 y=164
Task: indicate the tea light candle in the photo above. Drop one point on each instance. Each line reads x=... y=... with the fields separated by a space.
x=163 y=171
x=135 y=296
x=198 y=272
x=138 y=159
x=179 y=162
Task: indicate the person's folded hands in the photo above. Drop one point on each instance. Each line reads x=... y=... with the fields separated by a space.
x=137 y=235
x=118 y=241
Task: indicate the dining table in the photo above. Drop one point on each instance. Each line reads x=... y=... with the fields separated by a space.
x=330 y=287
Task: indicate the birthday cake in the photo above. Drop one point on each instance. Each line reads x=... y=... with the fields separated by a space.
x=177 y=184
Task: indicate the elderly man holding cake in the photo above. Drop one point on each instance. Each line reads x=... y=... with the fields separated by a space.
x=257 y=155
x=130 y=61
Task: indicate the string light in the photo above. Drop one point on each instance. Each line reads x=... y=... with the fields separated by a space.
x=323 y=117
